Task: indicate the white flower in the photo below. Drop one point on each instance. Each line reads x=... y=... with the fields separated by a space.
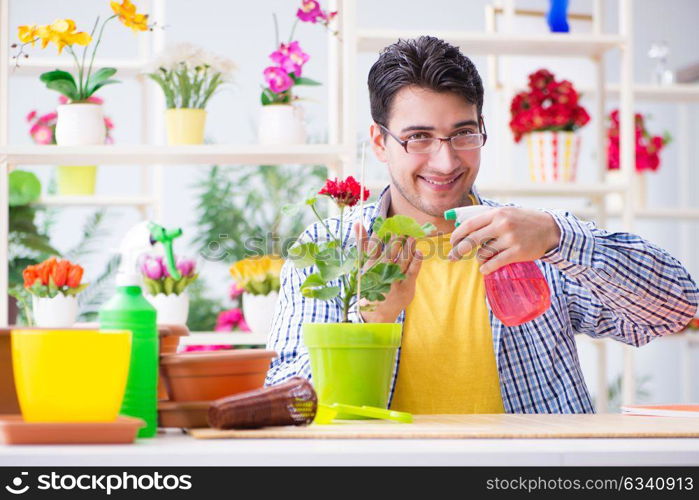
x=192 y=56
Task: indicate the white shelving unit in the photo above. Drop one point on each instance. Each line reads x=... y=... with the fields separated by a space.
x=341 y=152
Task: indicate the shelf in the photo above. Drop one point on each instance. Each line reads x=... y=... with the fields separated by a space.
x=662 y=93
x=552 y=44
x=254 y=154
x=96 y=201
x=531 y=189
x=37 y=65
x=221 y=338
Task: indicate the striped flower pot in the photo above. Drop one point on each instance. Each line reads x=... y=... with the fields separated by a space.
x=553 y=156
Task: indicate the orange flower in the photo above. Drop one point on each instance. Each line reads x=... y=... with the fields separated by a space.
x=60 y=273
x=75 y=274
x=46 y=269
x=30 y=275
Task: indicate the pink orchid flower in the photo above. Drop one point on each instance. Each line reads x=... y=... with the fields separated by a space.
x=48 y=117
x=290 y=57
x=277 y=79
x=235 y=290
x=310 y=11
x=31 y=116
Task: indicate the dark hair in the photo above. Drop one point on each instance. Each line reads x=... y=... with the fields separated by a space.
x=427 y=62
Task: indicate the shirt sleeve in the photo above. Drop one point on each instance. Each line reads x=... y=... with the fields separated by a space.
x=619 y=285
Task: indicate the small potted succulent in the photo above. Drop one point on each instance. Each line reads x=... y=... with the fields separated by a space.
x=54 y=285
x=259 y=278
x=352 y=363
x=188 y=76
x=80 y=121
x=167 y=294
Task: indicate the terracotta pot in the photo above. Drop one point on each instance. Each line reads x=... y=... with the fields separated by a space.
x=205 y=376
x=183 y=415
x=8 y=395
x=169 y=336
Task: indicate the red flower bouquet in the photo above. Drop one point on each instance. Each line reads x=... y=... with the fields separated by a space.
x=548 y=105
x=647 y=146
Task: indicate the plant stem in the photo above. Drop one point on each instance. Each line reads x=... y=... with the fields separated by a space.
x=97 y=44
x=92 y=34
x=293 y=29
x=276 y=31
x=327 y=229
x=80 y=72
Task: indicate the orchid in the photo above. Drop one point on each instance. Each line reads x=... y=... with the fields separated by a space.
x=310 y=12
x=43 y=128
x=290 y=58
x=231 y=319
x=63 y=33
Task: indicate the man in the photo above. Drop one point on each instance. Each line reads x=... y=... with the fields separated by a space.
x=456 y=356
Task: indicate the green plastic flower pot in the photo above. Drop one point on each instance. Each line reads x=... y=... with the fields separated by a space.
x=78 y=180
x=352 y=363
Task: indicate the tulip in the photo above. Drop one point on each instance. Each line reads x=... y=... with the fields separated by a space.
x=75 y=275
x=185 y=266
x=60 y=273
x=152 y=268
x=45 y=270
x=30 y=276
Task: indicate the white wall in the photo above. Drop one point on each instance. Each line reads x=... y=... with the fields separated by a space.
x=243 y=31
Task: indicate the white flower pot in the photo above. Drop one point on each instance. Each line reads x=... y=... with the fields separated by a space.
x=80 y=124
x=172 y=309
x=258 y=311
x=281 y=124
x=553 y=156
x=58 y=312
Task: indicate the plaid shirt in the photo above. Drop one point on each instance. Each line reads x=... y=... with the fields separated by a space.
x=605 y=285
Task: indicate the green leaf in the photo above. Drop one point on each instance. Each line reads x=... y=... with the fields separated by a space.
x=305 y=81
x=400 y=225
x=168 y=285
x=53 y=289
x=325 y=293
x=25 y=187
x=100 y=75
x=267 y=97
x=72 y=292
x=313 y=280
x=98 y=86
x=65 y=87
x=57 y=74
x=303 y=255
x=154 y=286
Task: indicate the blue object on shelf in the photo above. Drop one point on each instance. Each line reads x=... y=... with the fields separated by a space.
x=558 y=16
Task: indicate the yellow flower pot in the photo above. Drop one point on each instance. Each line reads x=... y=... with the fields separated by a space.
x=185 y=126
x=74 y=181
x=70 y=375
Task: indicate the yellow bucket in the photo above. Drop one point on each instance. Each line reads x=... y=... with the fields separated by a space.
x=78 y=180
x=70 y=375
x=185 y=126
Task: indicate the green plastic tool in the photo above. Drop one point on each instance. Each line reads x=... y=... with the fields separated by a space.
x=327 y=413
x=166 y=237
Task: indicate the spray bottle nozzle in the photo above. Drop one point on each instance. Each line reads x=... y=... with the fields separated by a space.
x=166 y=238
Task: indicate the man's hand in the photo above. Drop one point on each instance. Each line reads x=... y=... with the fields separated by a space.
x=402 y=292
x=505 y=235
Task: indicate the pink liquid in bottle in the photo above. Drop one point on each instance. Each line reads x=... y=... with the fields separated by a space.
x=517 y=293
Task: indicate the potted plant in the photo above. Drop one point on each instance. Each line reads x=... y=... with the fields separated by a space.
x=188 y=76
x=352 y=363
x=79 y=121
x=548 y=115
x=54 y=285
x=71 y=180
x=281 y=121
x=168 y=295
x=647 y=149
x=259 y=278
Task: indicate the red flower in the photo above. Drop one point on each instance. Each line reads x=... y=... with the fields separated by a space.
x=345 y=193
x=75 y=274
x=60 y=273
x=647 y=147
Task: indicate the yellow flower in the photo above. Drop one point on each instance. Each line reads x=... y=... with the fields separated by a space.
x=256 y=269
x=127 y=15
x=61 y=32
x=28 y=34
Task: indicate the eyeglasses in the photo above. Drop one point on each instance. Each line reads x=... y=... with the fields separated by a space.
x=460 y=142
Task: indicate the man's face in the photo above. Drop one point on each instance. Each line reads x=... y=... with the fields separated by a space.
x=428 y=183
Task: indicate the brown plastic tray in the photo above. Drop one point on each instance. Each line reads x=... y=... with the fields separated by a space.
x=185 y=415
x=14 y=430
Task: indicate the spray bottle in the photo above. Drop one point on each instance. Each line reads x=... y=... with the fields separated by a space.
x=128 y=309
x=517 y=292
